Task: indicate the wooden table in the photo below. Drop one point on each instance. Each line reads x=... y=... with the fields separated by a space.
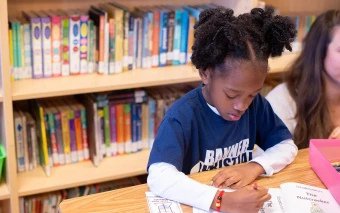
x=132 y=199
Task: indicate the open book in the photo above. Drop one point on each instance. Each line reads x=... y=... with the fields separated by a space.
x=296 y=198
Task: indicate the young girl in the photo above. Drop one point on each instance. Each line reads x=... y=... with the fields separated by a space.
x=308 y=102
x=217 y=124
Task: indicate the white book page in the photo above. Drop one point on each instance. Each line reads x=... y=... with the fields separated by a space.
x=308 y=199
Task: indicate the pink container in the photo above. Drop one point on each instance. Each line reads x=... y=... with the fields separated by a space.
x=321 y=153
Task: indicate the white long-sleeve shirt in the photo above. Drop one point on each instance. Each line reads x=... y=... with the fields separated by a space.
x=166 y=181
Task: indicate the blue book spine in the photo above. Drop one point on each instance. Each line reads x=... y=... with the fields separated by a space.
x=139 y=127
x=184 y=37
x=177 y=38
x=134 y=127
x=163 y=38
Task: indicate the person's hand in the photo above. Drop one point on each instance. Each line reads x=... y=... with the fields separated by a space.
x=335 y=133
x=237 y=176
x=246 y=199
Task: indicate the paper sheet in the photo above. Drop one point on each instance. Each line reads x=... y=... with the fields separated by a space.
x=162 y=205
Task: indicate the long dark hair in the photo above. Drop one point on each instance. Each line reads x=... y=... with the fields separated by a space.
x=305 y=81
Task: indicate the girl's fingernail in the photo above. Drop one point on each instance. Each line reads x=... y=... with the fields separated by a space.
x=211 y=183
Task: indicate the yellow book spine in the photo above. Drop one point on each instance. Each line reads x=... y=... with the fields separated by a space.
x=11 y=58
x=43 y=136
x=119 y=40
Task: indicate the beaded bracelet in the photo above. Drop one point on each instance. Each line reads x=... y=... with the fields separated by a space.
x=219 y=200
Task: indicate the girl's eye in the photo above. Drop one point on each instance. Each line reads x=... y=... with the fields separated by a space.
x=231 y=97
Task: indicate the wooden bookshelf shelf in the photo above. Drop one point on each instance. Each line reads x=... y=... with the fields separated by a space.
x=73 y=175
x=49 y=87
x=4 y=192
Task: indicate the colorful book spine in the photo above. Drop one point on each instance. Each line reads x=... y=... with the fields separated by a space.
x=135 y=43
x=22 y=53
x=65 y=44
x=46 y=44
x=134 y=147
x=152 y=121
x=101 y=132
x=74 y=44
x=36 y=41
x=107 y=130
x=73 y=139
x=15 y=50
x=27 y=50
x=84 y=21
x=191 y=38
x=126 y=40
x=91 y=47
x=120 y=128
x=119 y=40
x=112 y=64
x=140 y=43
x=163 y=35
x=145 y=42
x=49 y=141
x=150 y=39
x=66 y=136
x=127 y=128
x=177 y=37
x=11 y=52
x=113 y=128
x=145 y=126
x=59 y=136
x=53 y=138
x=19 y=50
x=106 y=48
x=139 y=127
x=155 y=38
x=44 y=158
x=184 y=37
x=19 y=138
x=78 y=131
x=56 y=46
x=171 y=30
x=84 y=133
x=131 y=27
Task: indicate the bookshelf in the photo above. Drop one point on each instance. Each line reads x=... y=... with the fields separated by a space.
x=32 y=88
x=112 y=168
x=4 y=192
x=34 y=182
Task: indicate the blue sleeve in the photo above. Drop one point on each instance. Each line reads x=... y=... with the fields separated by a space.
x=270 y=128
x=169 y=144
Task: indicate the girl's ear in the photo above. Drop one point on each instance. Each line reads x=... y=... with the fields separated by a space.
x=205 y=75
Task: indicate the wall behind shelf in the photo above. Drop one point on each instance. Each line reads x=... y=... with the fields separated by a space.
x=15 y=7
x=288 y=7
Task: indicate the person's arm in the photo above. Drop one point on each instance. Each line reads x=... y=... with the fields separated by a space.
x=277 y=157
x=166 y=181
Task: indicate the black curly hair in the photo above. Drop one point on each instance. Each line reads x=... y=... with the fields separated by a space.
x=253 y=36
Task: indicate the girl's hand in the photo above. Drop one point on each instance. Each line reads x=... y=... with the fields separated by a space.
x=335 y=133
x=237 y=176
x=246 y=199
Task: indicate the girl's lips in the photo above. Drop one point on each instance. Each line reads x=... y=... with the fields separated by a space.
x=234 y=117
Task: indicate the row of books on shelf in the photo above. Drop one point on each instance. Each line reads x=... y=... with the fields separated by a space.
x=48 y=203
x=302 y=24
x=58 y=131
x=107 y=38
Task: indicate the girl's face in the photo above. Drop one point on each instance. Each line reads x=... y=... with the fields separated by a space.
x=332 y=60
x=232 y=94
